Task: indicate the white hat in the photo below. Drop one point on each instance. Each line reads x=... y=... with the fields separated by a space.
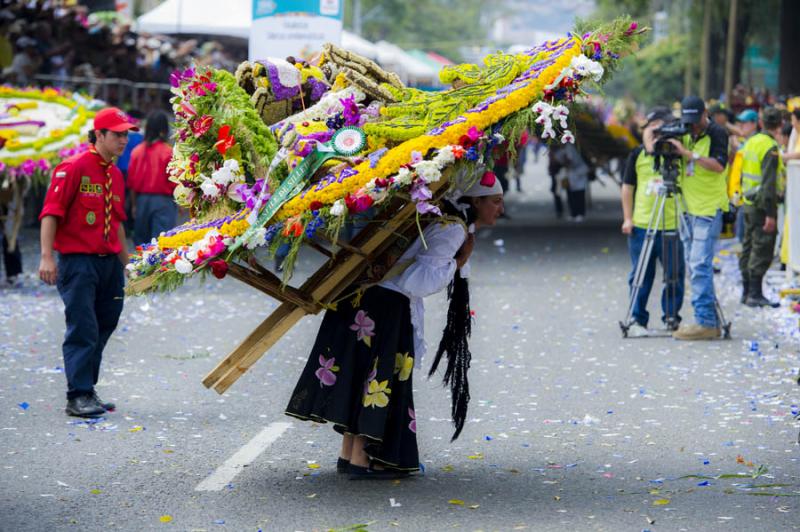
x=487 y=185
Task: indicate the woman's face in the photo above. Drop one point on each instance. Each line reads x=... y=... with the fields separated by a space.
x=489 y=209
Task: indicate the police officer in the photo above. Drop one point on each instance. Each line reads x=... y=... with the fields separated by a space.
x=640 y=183
x=761 y=169
x=703 y=183
x=81 y=219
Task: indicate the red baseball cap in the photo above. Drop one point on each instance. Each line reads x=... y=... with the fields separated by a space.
x=113 y=119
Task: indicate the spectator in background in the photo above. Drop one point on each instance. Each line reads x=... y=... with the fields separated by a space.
x=154 y=209
x=576 y=181
x=134 y=139
x=6 y=49
x=25 y=64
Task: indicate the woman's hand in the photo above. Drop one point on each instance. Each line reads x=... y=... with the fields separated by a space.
x=466 y=250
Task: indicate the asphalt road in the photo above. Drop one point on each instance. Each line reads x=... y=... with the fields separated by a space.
x=571 y=427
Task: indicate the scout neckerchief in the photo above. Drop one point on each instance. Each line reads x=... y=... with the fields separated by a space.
x=107 y=195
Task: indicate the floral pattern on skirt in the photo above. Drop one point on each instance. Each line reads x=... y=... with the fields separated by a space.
x=359 y=376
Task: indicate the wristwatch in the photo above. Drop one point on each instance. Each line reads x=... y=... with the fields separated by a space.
x=695 y=156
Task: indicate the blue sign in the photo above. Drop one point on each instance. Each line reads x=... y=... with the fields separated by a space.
x=322 y=8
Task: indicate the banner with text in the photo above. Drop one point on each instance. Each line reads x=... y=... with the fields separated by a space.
x=294 y=27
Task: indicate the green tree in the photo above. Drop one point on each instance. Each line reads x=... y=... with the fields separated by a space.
x=443 y=26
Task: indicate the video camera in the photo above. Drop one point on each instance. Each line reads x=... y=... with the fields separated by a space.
x=665 y=154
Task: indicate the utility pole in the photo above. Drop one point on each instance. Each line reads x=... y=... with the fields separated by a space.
x=730 y=49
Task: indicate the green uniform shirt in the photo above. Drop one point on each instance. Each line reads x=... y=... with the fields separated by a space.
x=705 y=191
x=648 y=181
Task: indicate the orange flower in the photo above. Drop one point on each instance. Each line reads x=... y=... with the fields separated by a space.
x=293 y=227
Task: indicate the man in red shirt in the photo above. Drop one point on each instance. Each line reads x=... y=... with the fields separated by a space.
x=154 y=208
x=81 y=220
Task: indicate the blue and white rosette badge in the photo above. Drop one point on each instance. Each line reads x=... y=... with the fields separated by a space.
x=346 y=142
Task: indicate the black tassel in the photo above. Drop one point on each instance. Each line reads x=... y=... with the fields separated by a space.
x=455 y=342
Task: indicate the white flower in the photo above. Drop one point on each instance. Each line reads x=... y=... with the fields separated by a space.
x=548 y=133
x=587 y=68
x=567 y=137
x=428 y=171
x=255 y=238
x=223 y=176
x=444 y=157
x=338 y=208
x=370 y=186
x=209 y=188
x=404 y=177
x=544 y=120
x=498 y=138
x=560 y=112
x=232 y=165
x=183 y=266
x=542 y=108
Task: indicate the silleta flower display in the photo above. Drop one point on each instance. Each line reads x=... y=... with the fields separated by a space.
x=284 y=149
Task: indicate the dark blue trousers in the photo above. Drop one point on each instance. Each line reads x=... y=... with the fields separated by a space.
x=91 y=287
x=670 y=303
x=155 y=213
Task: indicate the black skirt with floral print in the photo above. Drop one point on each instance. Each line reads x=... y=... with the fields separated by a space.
x=358 y=376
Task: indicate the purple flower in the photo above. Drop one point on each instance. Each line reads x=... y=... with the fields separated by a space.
x=325 y=373
x=415 y=157
x=423 y=207
x=420 y=191
x=351 y=112
x=413 y=425
x=364 y=327
x=376 y=156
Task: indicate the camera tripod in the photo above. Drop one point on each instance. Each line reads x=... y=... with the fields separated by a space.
x=670 y=241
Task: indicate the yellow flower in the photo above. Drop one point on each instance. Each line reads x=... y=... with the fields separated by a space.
x=377 y=394
x=404 y=365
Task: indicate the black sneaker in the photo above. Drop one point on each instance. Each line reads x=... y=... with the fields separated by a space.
x=84 y=406
x=367 y=473
x=106 y=406
x=342 y=465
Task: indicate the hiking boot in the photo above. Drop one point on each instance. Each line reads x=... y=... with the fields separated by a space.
x=745 y=290
x=696 y=332
x=755 y=296
x=84 y=406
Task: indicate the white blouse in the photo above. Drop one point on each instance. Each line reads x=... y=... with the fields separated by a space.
x=432 y=270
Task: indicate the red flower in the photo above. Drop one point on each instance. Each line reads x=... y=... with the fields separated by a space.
x=382 y=183
x=315 y=205
x=225 y=140
x=219 y=268
x=293 y=227
x=488 y=179
x=358 y=203
x=201 y=125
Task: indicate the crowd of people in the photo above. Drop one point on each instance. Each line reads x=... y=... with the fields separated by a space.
x=40 y=38
x=731 y=169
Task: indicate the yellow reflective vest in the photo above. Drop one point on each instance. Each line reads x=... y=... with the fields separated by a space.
x=753 y=153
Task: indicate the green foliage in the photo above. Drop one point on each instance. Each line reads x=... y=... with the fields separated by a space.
x=654 y=75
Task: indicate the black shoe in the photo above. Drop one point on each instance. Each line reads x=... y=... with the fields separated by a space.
x=745 y=290
x=84 y=406
x=760 y=301
x=367 y=473
x=108 y=407
x=342 y=465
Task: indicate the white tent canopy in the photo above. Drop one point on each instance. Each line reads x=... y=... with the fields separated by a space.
x=208 y=17
x=203 y=17
x=392 y=57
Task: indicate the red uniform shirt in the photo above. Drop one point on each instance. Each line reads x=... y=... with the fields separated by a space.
x=76 y=197
x=147 y=171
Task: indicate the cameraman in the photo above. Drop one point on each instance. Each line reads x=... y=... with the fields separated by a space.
x=761 y=169
x=640 y=184
x=704 y=187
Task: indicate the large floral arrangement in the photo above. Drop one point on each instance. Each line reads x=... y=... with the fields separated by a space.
x=361 y=142
x=39 y=127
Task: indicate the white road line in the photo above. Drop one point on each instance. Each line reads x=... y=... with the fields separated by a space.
x=225 y=473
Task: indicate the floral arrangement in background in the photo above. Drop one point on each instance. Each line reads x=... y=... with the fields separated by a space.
x=38 y=128
x=353 y=147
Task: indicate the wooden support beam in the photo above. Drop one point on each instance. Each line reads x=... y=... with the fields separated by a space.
x=270 y=284
x=324 y=286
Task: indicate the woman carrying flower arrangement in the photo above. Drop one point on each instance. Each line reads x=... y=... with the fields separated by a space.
x=359 y=372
